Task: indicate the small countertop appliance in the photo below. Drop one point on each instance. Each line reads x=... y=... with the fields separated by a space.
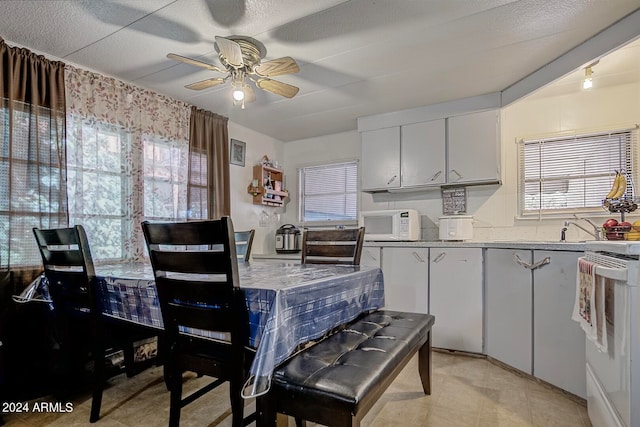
x=288 y=239
x=456 y=227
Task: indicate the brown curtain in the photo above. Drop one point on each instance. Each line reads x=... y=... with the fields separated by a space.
x=33 y=178
x=209 y=163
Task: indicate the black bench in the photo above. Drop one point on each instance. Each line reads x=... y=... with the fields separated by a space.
x=338 y=380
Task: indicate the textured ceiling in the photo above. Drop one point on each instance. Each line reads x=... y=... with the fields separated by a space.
x=357 y=58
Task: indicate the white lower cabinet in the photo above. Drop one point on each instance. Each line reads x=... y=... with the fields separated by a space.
x=406 y=275
x=508 y=308
x=529 y=301
x=455 y=298
x=558 y=341
x=371 y=256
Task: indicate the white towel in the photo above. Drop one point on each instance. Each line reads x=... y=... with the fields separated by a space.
x=588 y=309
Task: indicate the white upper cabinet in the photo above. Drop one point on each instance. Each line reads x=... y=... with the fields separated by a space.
x=474 y=148
x=422 y=154
x=380 y=159
x=460 y=150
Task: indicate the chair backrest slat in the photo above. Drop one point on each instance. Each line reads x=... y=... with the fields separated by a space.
x=333 y=246
x=190 y=262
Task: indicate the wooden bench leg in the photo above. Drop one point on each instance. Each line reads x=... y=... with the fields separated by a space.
x=424 y=365
x=266 y=412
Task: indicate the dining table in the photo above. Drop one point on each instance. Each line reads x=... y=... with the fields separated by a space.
x=288 y=305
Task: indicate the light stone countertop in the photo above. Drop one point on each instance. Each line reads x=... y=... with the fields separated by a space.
x=546 y=246
x=515 y=244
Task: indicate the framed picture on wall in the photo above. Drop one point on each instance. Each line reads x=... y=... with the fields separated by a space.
x=237 y=152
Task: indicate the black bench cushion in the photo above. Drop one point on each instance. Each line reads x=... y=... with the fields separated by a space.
x=345 y=367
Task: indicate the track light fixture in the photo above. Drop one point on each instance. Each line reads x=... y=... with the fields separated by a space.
x=587 y=83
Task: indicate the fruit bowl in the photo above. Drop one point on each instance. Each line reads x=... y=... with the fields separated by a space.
x=616 y=232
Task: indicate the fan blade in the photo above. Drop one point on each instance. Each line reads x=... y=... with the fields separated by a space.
x=205 y=83
x=231 y=51
x=195 y=62
x=249 y=93
x=277 y=87
x=277 y=67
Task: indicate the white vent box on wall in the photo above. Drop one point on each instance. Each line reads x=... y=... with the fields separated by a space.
x=456 y=227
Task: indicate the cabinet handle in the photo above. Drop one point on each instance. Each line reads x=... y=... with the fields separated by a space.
x=417 y=256
x=457 y=173
x=521 y=262
x=533 y=266
x=439 y=257
x=393 y=178
x=436 y=175
x=540 y=263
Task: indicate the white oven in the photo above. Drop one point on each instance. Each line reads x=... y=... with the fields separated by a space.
x=613 y=376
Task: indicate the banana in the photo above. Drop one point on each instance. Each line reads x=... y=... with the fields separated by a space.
x=614 y=187
x=622 y=187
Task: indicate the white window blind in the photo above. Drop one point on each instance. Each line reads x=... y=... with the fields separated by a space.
x=573 y=174
x=329 y=192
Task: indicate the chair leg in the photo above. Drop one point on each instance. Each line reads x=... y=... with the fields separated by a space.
x=175 y=391
x=98 y=380
x=237 y=403
x=129 y=364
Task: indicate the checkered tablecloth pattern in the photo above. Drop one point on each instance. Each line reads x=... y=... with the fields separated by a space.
x=288 y=304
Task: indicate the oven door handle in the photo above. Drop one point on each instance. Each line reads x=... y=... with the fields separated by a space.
x=619 y=274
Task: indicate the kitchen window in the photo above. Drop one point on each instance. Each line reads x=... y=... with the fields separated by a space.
x=329 y=193
x=571 y=174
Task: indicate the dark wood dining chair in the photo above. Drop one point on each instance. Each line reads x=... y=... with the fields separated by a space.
x=77 y=310
x=196 y=272
x=333 y=246
x=244 y=240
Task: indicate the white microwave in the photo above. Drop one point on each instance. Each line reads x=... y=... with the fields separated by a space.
x=394 y=225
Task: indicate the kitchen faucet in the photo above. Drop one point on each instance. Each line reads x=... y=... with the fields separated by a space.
x=596 y=229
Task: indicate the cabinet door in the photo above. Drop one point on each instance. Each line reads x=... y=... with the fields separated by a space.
x=422 y=154
x=559 y=342
x=371 y=256
x=455 y=298
x=474 y=148
x=508 y=308
x=380 y=159
x=406 y=275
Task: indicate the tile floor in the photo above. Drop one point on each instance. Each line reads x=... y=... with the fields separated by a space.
x=466 y=391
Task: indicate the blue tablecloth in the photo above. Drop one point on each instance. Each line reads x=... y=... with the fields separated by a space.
x=289 y=304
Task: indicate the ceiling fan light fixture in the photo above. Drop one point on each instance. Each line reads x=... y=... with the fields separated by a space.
x=238 y=94
x=241 y=58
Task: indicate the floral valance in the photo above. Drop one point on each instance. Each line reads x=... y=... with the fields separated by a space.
x=107 y=100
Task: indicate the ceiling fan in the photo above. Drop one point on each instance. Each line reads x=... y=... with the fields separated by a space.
x=241 y=58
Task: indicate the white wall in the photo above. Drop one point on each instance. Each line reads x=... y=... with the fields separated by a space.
x=616 y=107
x=494 y=207
x=244 y=213
x=325 y=149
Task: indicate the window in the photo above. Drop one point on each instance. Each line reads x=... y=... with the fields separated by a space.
x=32 y=192
x=329 y=192
x=109 y=195
x=574 y=173
x=198 y=207
x=165 y=179
x=98 y=182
